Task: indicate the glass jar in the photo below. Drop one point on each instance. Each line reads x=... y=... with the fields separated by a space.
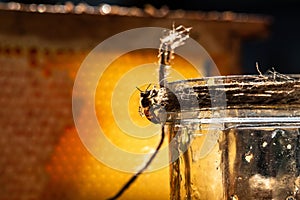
x=235 y=137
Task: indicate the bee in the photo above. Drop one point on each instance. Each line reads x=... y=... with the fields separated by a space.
x=151 y=104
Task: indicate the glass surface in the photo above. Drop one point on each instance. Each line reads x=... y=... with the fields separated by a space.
x=238 y=138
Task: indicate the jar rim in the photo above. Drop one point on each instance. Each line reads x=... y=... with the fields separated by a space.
x=228 y=78
x=236 y=91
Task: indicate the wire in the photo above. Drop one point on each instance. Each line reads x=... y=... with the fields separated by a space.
x=135 y=176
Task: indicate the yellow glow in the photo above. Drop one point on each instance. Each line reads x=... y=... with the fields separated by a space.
x=72 y=166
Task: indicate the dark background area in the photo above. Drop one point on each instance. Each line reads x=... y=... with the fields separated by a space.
x=280 y=50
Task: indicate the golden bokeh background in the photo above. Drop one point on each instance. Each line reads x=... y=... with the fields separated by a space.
x=41 y=51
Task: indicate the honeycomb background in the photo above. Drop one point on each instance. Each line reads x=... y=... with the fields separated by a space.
x=42 y=156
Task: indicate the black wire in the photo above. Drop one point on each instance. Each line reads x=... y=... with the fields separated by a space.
x=132 y=179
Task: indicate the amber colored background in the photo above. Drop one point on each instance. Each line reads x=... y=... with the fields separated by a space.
x=41 y=154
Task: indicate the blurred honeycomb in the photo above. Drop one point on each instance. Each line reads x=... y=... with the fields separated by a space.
x=41 y=154
x=35 y=111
